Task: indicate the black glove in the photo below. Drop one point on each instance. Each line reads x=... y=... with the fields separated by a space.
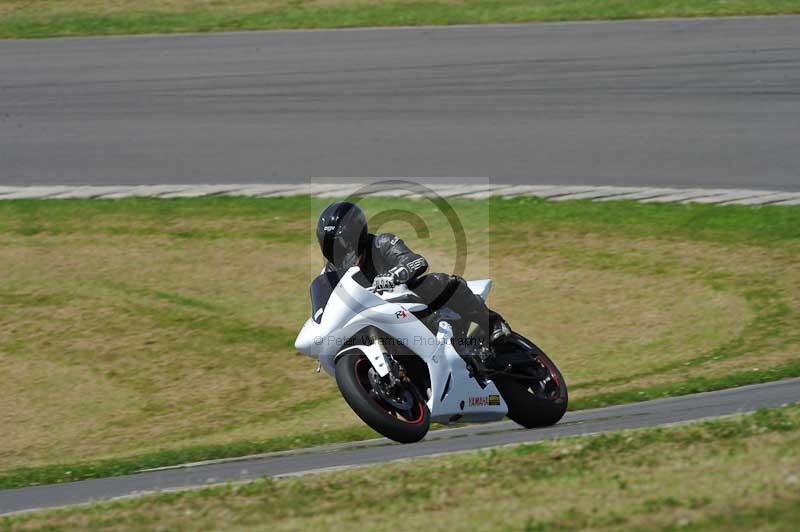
x=392 y=278
x=383 y=282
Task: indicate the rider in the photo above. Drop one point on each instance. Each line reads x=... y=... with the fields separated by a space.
x=386 y=261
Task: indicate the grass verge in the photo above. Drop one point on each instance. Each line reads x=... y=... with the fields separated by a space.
x=738 y=472
x=146 y=333
x=60 y=473
x=47 y=18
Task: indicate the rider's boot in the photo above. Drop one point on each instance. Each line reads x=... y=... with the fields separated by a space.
x=498 y=327
x=491 y=324
x=473 y=308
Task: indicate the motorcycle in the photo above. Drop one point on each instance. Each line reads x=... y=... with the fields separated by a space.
x=400 y=365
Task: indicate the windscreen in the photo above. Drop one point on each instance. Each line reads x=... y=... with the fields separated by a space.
x=321 y=290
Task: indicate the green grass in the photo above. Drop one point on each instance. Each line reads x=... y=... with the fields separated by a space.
x=728 y=474
x=147 y=333
x=59 y=473
x=47 y=18
x=689 y=386
x=732 y=224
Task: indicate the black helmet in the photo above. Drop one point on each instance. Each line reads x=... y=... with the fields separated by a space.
x=342 y=233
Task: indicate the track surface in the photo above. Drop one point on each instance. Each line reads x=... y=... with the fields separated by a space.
x=663 y=411
x=711 y=103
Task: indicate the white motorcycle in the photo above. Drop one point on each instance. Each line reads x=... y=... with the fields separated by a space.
x=399 y=365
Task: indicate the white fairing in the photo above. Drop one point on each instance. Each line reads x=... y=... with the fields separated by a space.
x=454 y=395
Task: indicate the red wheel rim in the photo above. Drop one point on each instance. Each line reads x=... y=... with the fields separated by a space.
x=555 y=393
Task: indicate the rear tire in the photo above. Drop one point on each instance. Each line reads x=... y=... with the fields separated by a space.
x=533 y=406
x=352 y=377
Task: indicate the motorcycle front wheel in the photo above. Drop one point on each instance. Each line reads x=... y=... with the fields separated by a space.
x=399 y=415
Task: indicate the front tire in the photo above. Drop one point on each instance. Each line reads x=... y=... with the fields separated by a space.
x=531 y=403
x=357 y=387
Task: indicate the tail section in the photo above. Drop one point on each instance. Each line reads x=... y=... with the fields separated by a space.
x=480 y=287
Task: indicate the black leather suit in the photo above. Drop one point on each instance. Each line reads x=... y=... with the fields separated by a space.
x=386 y=251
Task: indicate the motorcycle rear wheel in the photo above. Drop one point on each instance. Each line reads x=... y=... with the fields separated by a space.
x=531 y=403
x=403 y=426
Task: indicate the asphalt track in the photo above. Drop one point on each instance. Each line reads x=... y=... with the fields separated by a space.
x=680 y=103
x=298 y=462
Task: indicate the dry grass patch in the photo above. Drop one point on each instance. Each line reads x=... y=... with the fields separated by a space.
x=621 y=312
x=138 y=326
x=606 y=324
x=149 y=338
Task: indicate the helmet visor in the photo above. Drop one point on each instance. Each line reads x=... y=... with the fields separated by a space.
x=341 y=253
